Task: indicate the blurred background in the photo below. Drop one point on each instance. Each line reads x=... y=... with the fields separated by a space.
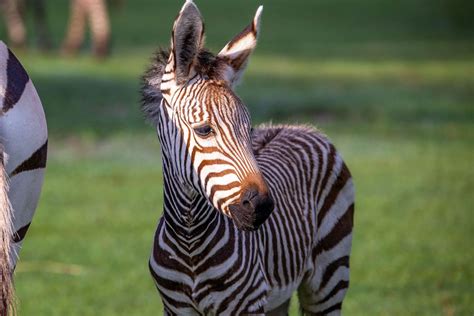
x=390 y=82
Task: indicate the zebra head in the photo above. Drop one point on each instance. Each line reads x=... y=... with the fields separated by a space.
x=204 y=128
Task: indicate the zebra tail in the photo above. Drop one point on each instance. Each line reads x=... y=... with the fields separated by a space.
x=7 y=293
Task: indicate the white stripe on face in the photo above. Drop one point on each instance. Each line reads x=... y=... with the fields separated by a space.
x=222 y=160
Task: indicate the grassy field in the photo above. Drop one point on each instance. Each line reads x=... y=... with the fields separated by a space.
x=391 y=83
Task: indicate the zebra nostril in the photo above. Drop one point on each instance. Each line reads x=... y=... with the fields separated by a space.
x=246 y=204
x=248 y=199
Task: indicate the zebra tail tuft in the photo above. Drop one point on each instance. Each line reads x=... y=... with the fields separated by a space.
x=7 y=293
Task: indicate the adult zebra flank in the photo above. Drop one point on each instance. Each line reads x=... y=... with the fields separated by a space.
x=250 y=215
x=23 y=151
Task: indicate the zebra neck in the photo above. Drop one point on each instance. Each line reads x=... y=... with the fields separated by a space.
x=186 y=211
x=188 y=216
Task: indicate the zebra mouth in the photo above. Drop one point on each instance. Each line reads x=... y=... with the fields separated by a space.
x=243 y=217
x=250 y=216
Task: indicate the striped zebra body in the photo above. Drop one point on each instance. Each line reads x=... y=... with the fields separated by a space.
x=306 y=242
x=23 y=140
x=250 y=216
x=197 y=245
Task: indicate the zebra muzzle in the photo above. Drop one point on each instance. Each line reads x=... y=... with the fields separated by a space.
x=253 y=210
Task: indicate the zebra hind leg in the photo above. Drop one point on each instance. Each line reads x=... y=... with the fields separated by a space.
x=324 y=289
x=281 y=310
x=316 y=310
x=327 y=297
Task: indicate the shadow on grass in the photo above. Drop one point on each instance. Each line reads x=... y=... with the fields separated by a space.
x=90 y=106
x=100 y=106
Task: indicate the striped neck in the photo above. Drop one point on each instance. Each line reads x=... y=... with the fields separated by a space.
x=197 y=239
x=184 y=207
x=187 y=212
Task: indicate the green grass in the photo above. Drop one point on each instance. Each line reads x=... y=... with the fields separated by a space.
x=391 y=83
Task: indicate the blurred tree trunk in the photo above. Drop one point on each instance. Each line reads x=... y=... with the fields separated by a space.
x=96 y=11
x=461 y=14
x=14 y=21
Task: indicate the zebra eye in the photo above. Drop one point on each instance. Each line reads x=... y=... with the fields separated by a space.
x=204 y=130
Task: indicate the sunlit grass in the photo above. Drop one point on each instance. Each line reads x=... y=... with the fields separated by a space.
x=99 y=210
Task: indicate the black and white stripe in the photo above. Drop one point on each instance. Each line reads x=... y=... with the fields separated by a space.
x=219 y=249
x=23 y=142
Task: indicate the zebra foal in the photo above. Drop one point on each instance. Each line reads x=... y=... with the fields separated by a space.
x=23 y=151
x=250 y=215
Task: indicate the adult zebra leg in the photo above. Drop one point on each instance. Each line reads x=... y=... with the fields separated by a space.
x=96 y=11
x=100 y=26
x=76 y=28
x=6 y=283
x=14 y=20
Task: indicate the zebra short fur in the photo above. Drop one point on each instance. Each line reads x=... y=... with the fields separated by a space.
x=23 y=151
x=250 y=215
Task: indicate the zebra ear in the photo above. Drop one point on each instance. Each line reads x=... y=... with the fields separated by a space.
x=236 y=53
x=186 y=41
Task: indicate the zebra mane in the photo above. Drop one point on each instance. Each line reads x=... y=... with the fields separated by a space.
x=206 y=64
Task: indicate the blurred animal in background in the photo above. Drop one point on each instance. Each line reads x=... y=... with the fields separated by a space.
x=23 y=152
x=94 y=12
x=222 y=179
x=14 y=15
x=14 y=21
